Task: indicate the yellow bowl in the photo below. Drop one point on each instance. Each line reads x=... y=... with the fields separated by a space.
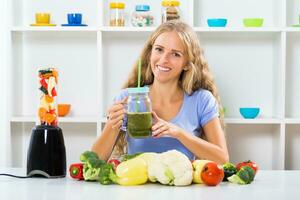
x=63 y=109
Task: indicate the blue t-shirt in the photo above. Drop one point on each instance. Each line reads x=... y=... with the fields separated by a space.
x=196 y=110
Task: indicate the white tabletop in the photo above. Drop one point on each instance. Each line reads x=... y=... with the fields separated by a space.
x=267 y=185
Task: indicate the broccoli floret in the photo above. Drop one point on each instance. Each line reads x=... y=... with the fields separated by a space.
x=87 y=155
x=91 y=165
x=107 y=175
x=90 y=174
x=229 y=170
x=249 y=171
x=244 y=176
x=94 y=163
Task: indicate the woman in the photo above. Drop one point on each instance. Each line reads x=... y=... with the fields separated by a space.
x=184 y=99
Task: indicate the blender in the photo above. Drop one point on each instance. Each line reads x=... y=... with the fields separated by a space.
x=46 y=155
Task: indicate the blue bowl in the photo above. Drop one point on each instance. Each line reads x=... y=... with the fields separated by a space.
x=216 y=22
x=249 y=113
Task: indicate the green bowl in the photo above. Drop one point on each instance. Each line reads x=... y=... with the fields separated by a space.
x=253 y=22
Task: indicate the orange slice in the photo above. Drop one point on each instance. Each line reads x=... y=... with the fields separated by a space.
x=42 y=112
x=49 y=118
x=49 y=99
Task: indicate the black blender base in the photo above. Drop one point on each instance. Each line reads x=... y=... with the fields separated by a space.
x=46 y=154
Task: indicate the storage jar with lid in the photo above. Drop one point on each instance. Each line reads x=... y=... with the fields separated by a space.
x=170 y=10
x=142 y=16
x=117 y=14
x=139 y=117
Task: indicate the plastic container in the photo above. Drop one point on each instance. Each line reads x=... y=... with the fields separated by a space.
x=139 y=117
x=253 y=22
x=142 y=16
x=249 y=112
x=216 y=22
x=116 y=14
x=170 y=10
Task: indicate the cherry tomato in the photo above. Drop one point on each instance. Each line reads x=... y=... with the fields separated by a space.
x=249 y=163
x=212 y=174
x=114 y=162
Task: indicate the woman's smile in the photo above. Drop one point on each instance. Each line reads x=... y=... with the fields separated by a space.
x=163 y=68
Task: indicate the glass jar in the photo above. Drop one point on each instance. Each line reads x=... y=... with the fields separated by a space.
x=117 y=14
x=139 y=117
x=142 y=16
x=170 y=10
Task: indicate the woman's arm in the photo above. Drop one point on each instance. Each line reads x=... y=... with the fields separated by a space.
x=214 y=148
x=106 y=141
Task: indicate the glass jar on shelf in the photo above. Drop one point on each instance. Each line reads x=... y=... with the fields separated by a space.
x=142 y=16
x=170 y=10
x=117 y=14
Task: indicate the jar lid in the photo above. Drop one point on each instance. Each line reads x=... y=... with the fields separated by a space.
x=142 y=7
x=138 y=90
x=170 y=3
x=117 y=5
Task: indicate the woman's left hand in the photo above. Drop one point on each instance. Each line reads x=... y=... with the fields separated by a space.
x=163 y=128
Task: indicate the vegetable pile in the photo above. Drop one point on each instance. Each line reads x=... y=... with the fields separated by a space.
x=168 y=168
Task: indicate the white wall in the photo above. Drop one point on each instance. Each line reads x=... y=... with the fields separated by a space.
x=3 y=75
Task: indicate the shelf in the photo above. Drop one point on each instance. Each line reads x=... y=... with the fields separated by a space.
x=127 y=29
x=292 y=120
x=56 y=28
x=238 y=29
x=103 y=120
x=292 y=29
x=60 y=119
x=252 y=121
x=149 y=29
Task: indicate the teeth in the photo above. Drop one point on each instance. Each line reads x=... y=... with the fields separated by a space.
x=165 y=69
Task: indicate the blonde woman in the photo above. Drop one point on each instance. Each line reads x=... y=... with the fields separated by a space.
x=184 y=98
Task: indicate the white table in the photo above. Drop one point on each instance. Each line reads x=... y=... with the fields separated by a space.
x=267 y=185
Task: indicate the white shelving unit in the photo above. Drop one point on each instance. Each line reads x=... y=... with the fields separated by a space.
x=252 y=67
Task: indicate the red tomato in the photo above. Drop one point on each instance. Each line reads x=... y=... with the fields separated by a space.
x=114 y=162
x=212 y=174
x=247 y=163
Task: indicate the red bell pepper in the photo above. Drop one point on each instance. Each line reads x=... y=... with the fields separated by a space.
x=53 y=92
x=76 y=171
x=43 y=83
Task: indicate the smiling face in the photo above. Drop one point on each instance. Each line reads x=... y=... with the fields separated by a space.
x=167 y=57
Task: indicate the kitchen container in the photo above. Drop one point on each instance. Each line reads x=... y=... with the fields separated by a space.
x=253 y=22
x=117 y=14
x=216 y=22
x=142 y=16
x=170 y=10
x=249 y=112
x=139 y=117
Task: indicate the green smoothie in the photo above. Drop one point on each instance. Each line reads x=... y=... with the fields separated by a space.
x=139 y=124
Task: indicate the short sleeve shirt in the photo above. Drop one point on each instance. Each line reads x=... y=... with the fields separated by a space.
x=196 y=110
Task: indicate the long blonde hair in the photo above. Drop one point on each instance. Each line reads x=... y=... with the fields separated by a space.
x=196 y=76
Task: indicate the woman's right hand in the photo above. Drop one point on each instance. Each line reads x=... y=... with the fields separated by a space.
x=116 y=113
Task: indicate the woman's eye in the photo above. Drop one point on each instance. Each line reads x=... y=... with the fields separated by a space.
x=176 y=55
x=158 y=49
